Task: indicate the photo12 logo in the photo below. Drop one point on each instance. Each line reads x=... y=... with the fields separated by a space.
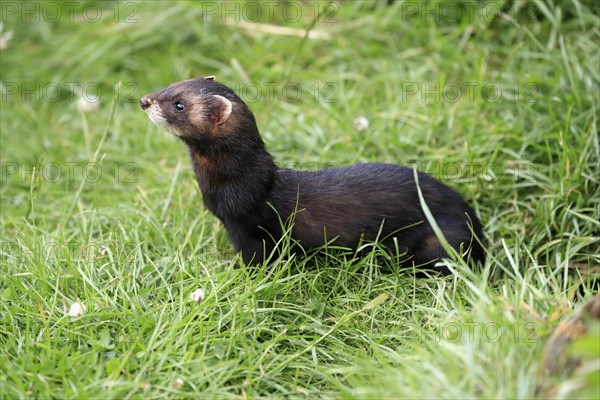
x=490 y=332
x=69 y=11
x=291 y=92
x=89 y=93
x=16 y=252
x=471 y=11
x=69 y=171
x=453 y=92
x=269 y=11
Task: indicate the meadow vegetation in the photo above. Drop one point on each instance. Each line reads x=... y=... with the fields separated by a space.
x=498 y=99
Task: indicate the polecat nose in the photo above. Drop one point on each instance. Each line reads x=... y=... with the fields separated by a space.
x=145 y=102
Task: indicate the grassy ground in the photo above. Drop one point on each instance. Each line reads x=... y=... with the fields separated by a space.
x=101 y=207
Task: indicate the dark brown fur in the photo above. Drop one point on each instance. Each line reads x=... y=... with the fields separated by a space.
x=243 y=187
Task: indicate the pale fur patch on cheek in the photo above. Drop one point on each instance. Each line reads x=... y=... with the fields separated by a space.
x=156 y=116
x=197 y=115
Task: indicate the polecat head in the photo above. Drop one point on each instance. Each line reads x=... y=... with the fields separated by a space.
x=200 y=111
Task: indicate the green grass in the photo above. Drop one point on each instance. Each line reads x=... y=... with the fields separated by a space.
x=132 y=243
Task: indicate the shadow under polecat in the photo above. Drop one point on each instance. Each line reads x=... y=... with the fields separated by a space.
x=243 y=187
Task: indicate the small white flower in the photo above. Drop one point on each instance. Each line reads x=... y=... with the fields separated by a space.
x=77 y=309
x=4 y=37
x=197 y=296
x=88 y=104
x=178 y=383
x=361 y=123
x=103 y=250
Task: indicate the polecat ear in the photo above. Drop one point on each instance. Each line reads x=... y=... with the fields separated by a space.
x=223 y=109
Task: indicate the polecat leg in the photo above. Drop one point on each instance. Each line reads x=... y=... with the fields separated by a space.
x=253 y=252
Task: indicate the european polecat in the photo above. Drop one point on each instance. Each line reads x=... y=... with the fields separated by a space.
x=243 y=187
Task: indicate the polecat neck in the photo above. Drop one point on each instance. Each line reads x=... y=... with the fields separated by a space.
x=234 y=182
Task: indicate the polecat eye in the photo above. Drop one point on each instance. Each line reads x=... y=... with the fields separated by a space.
x=179 y=106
